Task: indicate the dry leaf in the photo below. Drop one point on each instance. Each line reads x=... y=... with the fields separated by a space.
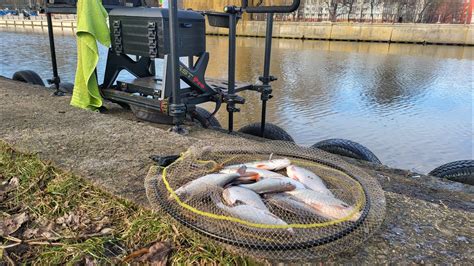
x=106 y=231
x=8 y=187
x=9 y=225
x=72 y=220
x=30 y=233
x=14 y=183
x=156 y=255
x=99 y=225
x=90 y=261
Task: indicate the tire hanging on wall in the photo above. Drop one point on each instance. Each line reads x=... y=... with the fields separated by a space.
x=347 y=148
x=272 y=131
x=459 y=171
x=28 y=76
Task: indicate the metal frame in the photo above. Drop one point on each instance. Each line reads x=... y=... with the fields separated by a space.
x=184 y=100
x=55 y=80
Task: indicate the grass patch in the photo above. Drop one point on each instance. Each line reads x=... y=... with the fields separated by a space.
x=71 y=221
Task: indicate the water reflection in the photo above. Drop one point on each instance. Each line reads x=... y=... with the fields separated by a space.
x=410 y=104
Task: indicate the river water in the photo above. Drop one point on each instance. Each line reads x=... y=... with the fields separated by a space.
x=412 y=105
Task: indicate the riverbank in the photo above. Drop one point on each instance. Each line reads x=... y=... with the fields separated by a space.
x=64 y=219
x=390 y=33
x=428 y=220
x=443 y=34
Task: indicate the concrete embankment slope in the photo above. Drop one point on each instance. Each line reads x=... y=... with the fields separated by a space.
x=392 y=33
x=427 y=220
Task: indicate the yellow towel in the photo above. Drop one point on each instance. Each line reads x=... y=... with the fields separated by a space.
x=91 y=27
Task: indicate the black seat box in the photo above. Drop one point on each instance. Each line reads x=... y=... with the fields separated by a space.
x=145 y=32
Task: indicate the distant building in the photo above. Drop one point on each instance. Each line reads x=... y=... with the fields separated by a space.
x=468 y=11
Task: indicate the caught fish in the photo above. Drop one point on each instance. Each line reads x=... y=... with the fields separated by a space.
x=201 y=185
x=290 y=204
x=273 y=165
x=243 y=180
x=261 y=172
x=308 y=178
x=271 y=185
x=233 y=195
x=324 y=205
x=252 y=214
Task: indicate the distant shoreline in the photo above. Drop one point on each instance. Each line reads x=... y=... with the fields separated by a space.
x=437 y=34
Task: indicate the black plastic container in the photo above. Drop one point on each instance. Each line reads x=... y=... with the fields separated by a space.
x=218 y=19
x=145 y=32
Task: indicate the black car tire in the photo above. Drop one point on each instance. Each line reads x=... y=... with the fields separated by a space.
x=205 y=118
x=459 y=171
x=272 y=131
x=347 y=148
x=28 y=76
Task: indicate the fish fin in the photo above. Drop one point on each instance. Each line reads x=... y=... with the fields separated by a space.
x=226 y=197
x=238 y=202
x=252 y=176
x=241 y=171
x=291 y=172
x=356 y=217
x=218 y=202
x=339 y=207
x=217 y=167
x=294 y=177
x=244 y=180
x=317 y=206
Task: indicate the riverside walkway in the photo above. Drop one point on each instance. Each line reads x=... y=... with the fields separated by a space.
x=427 y=220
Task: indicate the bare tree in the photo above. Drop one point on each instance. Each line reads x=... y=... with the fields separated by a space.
x=373 y=4
x=333 y=6
x=422 y=6
x=349 y=4
x=451 y=12
x=401 y=7
x=362 y=10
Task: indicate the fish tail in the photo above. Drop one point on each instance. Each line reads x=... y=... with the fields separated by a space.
x=217 y=201
x=226 y=197
x=355 y=217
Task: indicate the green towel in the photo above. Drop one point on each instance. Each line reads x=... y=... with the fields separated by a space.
x=91 y=27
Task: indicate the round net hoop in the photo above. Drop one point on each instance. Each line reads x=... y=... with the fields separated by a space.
x=303 y=236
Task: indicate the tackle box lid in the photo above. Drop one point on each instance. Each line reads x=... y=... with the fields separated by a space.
x=154 y=13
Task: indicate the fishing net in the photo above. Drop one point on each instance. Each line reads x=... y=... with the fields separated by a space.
x=304 y=236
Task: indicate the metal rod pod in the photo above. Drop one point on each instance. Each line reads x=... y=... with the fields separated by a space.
x=55 y=80
x=176 y=108
x=231 y=71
